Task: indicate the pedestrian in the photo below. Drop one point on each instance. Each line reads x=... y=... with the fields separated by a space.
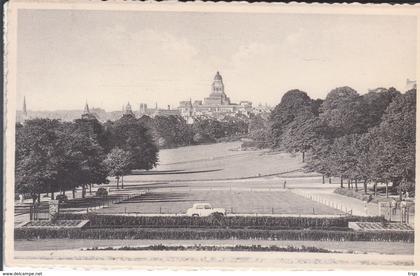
x=284 y=184
x=406 y=194
x=403 y=207
x=20 y=198
x=366 y=208
x=393 y=206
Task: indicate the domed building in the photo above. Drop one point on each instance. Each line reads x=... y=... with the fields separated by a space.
x=217 y=104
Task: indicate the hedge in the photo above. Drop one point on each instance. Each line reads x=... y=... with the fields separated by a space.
x=219 y=222
x=257 y=248
x=220 y=234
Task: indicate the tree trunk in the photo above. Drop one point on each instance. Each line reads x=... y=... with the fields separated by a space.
x=83 y=191
x=323 y=179
x=118 y=182
x=52 y=195
x=90 y=188
x=365 y=186
x=386 y=189
x=355 y=184
x=400 y=192
x=348 y=183
x=122 y=181
x=74 y=193
x=303 y=157
x=374 y=188
x=341 y=182
x=329 y=180
x=39 y=197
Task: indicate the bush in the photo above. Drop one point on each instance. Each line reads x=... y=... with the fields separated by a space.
x=102 y=192
x=219 y=222
x=61 y=198
x=352 y=193
x=219 y=234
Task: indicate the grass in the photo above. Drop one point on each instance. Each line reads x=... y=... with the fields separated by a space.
x=215 y=161
x=237 y=202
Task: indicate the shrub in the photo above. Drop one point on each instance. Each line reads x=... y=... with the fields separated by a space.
x=352 y=193
x=61 y=198
x=219 y=234
x=219 y=221
x=102 y=192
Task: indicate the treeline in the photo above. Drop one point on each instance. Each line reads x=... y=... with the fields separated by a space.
x=173 y=131
x=54 y=156
x=358 y=138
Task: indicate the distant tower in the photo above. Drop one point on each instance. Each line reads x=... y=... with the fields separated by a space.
x=217 y=86
x=143 y=108
x=25 y=113
x=217 y=95
x=86 y=115
x=128 y=110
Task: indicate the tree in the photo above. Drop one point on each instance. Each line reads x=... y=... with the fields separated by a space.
x=259 y=130
x=395 y=145
x=36 y=156
x=173 y=131
x=118 y=163
x=208 y=129
x=293 y=103
x=83 y=157
x=343 y=111
x=133 y=136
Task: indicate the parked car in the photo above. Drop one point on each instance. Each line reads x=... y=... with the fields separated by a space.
x=61 y=198
x=203 y=210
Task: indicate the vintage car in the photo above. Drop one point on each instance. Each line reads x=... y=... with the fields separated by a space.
x=203 y=210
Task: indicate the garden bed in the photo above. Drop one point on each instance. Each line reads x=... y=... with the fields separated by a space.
x=376 y=226
x=72 y=224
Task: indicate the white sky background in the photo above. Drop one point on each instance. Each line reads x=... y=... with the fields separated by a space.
x=109 y=57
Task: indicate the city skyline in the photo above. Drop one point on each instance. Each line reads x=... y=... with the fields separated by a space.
x=159 y=57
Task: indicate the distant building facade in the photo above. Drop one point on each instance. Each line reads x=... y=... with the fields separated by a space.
x=153 y=112
x=410 y=84
x=217 y=104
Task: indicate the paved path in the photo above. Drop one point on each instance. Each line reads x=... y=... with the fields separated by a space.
x=344 y=203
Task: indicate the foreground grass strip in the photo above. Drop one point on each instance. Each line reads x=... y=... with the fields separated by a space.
x=210 y=234
x=257 y=248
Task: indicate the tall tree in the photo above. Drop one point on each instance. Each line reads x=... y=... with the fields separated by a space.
x=343 y=111
x=36 y=155
x=396 y=142
x=133 y=136
x=118 y=163
x=292 y=104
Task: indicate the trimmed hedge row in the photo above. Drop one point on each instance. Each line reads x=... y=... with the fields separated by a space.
x=257 y=248
x=221 y=234
x=219 y=222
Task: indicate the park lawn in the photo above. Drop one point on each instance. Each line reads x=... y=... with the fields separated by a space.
x=216 y=161
x=236 y=202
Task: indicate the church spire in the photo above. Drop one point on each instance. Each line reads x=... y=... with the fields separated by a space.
x=86 y=110
x=25 y=113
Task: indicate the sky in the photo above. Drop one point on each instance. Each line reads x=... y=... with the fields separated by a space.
x=109 y=58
